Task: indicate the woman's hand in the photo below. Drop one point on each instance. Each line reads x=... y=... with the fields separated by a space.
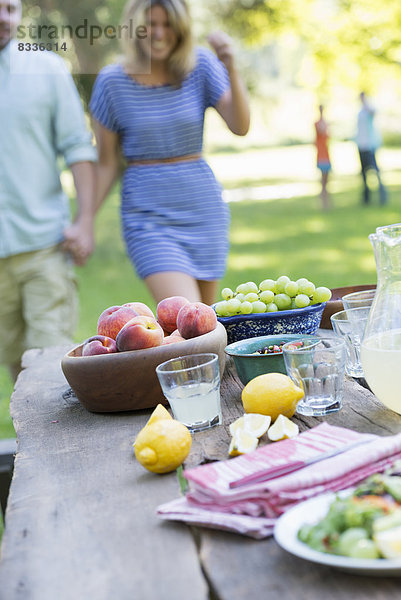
x=222 y=44
x=233 y=105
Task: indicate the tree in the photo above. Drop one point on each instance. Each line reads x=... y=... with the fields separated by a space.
x=82 y=27
x=355 y=42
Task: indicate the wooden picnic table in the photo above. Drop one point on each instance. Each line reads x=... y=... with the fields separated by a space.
x=81 y=518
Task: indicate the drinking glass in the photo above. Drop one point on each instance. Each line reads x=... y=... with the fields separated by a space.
x=318 y=368
x=350 y=326
x=191 y=384
x=358 y=299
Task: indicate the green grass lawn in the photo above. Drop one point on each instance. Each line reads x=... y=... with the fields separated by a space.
x=280 y=230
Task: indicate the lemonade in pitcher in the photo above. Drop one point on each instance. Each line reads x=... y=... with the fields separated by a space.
x=381 y=344
x=381 y=363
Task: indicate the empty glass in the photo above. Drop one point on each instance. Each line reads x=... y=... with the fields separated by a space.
x=358 y=299
x=318 y=368
x=350 y=326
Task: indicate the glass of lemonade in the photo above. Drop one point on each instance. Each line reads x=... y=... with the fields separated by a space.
x=191 y=384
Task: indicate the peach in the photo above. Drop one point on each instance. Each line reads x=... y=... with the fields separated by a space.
x=139 y=333
x=98 y=344
x=172 y=339
x=167 y=311
x=196 y=319
x=141 y=309
x=113 y=319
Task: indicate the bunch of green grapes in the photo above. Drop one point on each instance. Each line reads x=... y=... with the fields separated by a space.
x=270 y=296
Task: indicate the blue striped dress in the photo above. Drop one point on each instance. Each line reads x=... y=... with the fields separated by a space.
x=173 y=215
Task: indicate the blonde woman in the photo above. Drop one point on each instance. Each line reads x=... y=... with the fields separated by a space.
x=174 y=221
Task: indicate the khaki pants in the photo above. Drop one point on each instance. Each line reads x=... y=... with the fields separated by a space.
x=38 y=302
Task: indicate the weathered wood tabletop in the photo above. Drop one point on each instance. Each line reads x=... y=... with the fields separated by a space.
x=81 y=519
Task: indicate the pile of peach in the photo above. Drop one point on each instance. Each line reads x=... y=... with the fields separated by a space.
x=133 y=326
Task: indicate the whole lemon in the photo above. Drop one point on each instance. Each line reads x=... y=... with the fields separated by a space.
x=163 y=445
x=271 y=394
x=158 y=414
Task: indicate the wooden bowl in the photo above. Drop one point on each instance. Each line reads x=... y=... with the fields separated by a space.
x=335 y=303
x=125 y=381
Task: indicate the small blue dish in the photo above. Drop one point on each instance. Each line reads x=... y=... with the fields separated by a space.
x=298 y=320
x=250 y=365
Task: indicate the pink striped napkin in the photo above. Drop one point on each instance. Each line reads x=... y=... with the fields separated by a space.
x=253 y=509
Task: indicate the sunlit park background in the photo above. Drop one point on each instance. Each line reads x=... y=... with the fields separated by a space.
x=294 y=55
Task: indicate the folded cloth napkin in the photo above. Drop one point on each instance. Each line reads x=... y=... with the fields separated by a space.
x=213 y=500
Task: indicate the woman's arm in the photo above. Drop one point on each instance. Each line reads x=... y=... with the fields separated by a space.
x=108 y=163
x=233 y=106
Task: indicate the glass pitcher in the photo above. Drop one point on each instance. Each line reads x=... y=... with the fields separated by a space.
x=381 y=344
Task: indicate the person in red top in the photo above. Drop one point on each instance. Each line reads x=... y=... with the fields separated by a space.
x=323 y=157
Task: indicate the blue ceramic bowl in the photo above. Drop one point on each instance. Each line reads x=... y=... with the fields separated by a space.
x=250 y=365
x=298 y=320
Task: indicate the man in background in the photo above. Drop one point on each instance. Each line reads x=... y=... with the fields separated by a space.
x=368 y=141
x=41 y=118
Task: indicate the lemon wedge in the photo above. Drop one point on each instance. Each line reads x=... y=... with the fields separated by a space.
x=282 y=429
x=253 y=423
x=242 y=442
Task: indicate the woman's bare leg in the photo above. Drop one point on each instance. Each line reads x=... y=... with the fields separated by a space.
x=208 y=290
x=173 y=283
x=324 y=194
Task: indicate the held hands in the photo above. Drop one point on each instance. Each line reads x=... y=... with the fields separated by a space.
x=223 y=46
x=79 y=241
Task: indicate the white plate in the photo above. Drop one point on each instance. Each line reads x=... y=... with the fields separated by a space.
x=310 y=512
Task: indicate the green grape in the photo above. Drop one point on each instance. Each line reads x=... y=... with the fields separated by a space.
x=272 y=307
x=252 y=287
x=348 y=539
x=266 y=296
x=282 y=301
x=301 y=300
x=306 y=288
x=251 y=297
x=267 y=285
x=364 y=549
x=227 y=293
x=221 y=308
x=233 y=306
x=246 y=307
x=281 y=283
x=258 y=307
x=321 y=294
x=242 y=288
x=291 y=289
x=240 y=297
x=302 y=280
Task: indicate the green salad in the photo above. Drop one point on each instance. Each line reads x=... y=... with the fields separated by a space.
x=365 y=524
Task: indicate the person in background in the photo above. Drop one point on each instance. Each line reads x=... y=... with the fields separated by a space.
x=174 y=221
x=368 y=141
x=323 y=157
x=41 y=117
